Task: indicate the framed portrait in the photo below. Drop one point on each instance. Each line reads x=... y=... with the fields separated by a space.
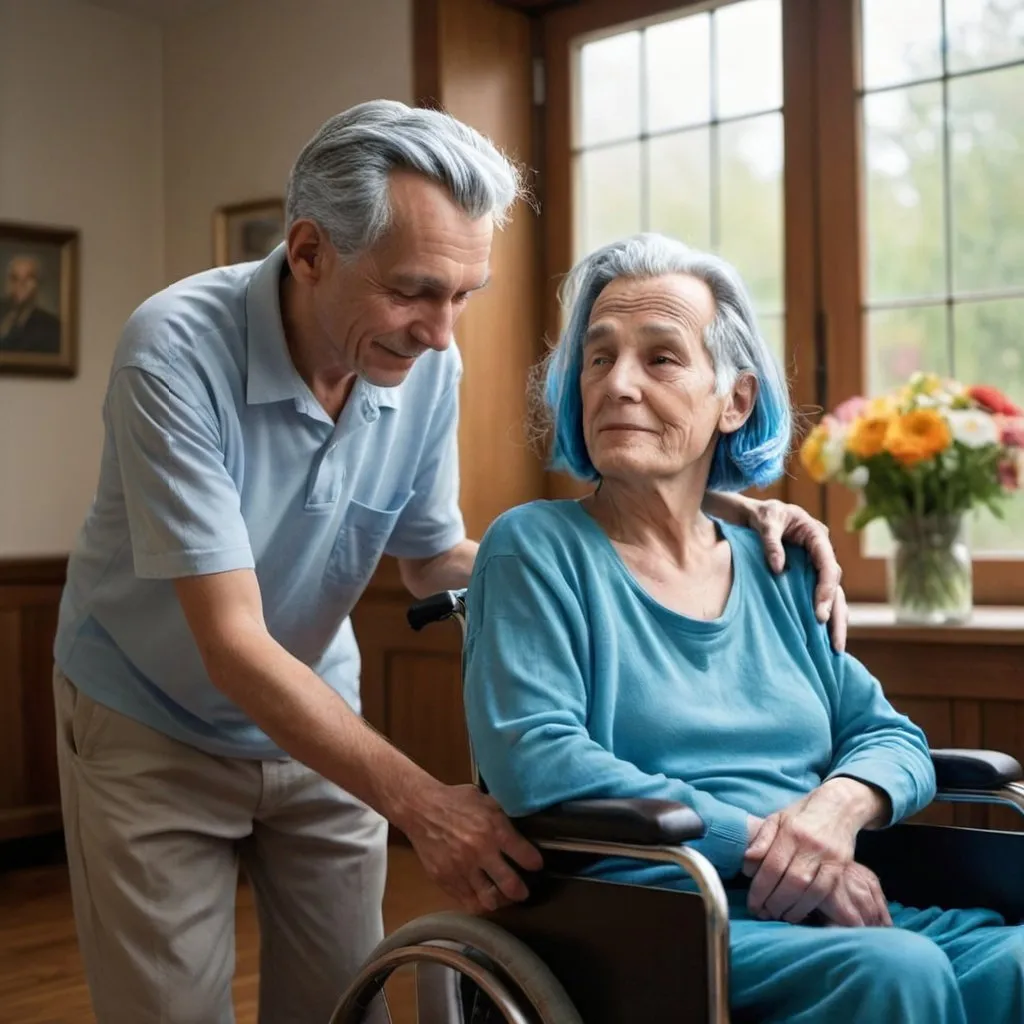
x=247 y=231
x=38 y=300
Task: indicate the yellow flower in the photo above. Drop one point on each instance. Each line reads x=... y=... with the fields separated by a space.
x=867 y=435
x=884 y=406
x=815 y=453
x=917 y=436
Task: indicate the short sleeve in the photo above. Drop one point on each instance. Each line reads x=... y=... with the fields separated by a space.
x=432 y=521
x=183 y=507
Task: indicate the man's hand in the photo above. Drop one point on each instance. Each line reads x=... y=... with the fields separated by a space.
x=776 y=522
x=462 y=838
x=800 y=853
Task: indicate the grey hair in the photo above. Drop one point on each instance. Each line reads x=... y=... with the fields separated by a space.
x=340 y=178
x=752 y=455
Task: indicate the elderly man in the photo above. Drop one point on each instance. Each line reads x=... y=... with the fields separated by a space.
x=272 y=429
x=24 y=325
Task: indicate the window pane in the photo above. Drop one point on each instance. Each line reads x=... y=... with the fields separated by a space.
x=902 y=341
x=678 y=80
x=773 y=330
x=903 y=151
x=987 y=154
x=983 y=32
x=748 y=58
x=750 y=204
x=992 y=536
x=990 y=345
x=679 y=169
x=608 y=193
x=610 y=89
x=902 y=41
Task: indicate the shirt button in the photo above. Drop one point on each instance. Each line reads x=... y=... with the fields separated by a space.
x=372 y=414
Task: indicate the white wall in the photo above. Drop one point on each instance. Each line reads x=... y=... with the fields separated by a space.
x=80 y=146
x=133 y=133
x=247 y=84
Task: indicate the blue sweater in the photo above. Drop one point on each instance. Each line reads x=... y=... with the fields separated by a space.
x=579 y=684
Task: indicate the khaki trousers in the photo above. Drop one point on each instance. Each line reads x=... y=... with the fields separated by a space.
x=155 y=830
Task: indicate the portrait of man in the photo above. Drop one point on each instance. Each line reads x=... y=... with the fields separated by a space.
x=38 y=295
x=25 y=326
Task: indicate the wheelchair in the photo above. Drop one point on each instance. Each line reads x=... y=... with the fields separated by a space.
x=583 y=949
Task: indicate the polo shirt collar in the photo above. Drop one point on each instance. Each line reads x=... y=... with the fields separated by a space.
x=271 y=375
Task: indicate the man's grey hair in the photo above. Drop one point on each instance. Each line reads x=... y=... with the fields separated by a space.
x=340 y=179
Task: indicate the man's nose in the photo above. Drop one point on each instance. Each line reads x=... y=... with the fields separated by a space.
x=435 y=329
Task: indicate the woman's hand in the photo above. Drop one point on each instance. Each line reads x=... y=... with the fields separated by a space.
x=857 y=901
x=776 y=522
x=800 y=854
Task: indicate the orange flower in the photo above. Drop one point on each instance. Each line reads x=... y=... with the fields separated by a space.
x=867 y=435
x=917 y=436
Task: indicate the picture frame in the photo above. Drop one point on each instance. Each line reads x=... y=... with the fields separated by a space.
x=247 y=231
x=39 y=300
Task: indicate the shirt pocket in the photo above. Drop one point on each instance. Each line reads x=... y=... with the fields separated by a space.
x=361 y=539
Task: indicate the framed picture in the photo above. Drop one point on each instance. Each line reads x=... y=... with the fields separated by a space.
x=247 y=231
x=38 y=300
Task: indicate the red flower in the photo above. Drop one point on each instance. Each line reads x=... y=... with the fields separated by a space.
x=993 y=400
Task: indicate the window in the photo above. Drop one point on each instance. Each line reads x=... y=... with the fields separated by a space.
x=942 y=113
x=678 y=128
x=857 y=160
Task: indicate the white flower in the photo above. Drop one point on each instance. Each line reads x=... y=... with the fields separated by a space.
x=972 y=428
x=832 y=452
x=858 y=477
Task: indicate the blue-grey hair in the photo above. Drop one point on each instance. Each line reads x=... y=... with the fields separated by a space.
x=754 y=455
x=340 y=178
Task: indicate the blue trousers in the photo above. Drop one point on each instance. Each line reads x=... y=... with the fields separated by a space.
x=932 y=967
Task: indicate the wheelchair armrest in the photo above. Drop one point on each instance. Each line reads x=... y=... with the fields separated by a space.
x=640 y=822
x=974 y=769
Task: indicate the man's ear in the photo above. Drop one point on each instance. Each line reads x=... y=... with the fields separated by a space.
x=739 y=405
x=308 y=247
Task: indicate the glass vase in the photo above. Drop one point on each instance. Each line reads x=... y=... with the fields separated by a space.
x=929 y=571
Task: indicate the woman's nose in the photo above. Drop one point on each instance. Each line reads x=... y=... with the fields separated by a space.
x=623 y=380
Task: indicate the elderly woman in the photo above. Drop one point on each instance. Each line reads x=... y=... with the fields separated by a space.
x=627 y=645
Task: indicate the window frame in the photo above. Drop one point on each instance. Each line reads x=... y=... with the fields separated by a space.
x=824 y=203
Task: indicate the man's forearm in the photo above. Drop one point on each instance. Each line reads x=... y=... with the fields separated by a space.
x=306 y=718
x=450 y=570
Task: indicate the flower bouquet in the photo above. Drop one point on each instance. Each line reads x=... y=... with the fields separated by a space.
x=920 y=459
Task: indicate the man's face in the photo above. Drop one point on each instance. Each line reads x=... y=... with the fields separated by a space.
x=22 y=280
x=403 y=296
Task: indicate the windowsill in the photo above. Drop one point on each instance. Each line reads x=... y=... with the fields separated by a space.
x=989 y=624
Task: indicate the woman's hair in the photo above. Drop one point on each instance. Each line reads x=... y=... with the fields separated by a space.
x=751 y=456
x=340 y=179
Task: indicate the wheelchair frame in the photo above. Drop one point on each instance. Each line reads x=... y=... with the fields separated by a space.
x=656 y=831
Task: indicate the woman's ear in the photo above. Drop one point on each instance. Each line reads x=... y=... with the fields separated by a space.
x=739 y=405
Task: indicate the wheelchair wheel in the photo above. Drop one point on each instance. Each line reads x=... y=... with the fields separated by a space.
x=478 y=974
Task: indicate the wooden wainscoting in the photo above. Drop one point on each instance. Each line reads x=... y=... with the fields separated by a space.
x=30 y=592
x=963 y=686
x=412 y=682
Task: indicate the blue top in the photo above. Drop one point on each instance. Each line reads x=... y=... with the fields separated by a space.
x=217 y=456
x=578 y=685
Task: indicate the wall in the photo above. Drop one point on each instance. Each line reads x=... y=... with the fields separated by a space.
x=81 y=146
x=246 y=84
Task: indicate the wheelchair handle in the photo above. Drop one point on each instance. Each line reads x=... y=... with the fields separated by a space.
x=435 y=608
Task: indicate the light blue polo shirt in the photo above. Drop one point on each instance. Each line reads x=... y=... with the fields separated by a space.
x=217 y=457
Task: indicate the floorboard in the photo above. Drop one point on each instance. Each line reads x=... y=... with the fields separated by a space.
x=41 y=979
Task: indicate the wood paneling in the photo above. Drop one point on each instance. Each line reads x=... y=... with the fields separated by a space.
x=962 y=693
x=411 y=684
x=474 y=59
x=29 y=793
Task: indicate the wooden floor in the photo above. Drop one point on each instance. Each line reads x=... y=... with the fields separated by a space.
x=41 y=978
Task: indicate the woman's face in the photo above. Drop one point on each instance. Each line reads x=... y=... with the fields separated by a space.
x=648 y=385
